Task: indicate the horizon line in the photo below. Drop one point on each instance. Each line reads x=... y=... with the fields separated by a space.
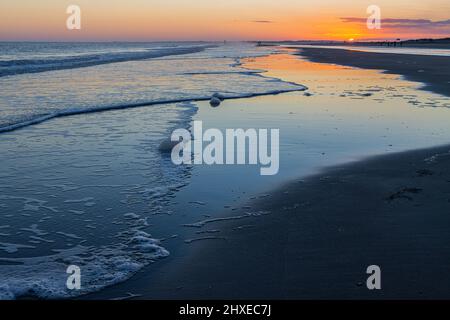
x=226 y=40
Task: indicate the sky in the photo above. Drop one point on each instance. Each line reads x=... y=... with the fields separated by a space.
x=154 y=20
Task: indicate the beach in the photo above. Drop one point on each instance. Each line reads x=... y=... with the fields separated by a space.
x=208 y=159
x=432 y=70
x=84 y=181
x=312 y=235
x=320 y=233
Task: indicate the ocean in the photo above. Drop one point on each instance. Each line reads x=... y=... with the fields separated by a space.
x=125 y=75
x=83 y=195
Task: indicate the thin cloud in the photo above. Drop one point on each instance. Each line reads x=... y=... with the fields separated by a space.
x=262 y=21
x=403 y=23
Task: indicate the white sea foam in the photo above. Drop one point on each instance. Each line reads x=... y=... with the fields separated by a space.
x=45 y=276
x=134 y=82
x=14 y=66
x=110 y=241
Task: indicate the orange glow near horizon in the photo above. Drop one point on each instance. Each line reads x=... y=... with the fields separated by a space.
x=142 y=20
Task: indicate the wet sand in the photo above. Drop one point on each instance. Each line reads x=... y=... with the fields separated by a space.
x=433 y=71
x=316 y=237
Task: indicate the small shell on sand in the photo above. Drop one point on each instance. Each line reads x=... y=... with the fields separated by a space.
x=214 y=102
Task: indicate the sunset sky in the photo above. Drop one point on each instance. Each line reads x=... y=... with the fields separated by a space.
x=146 y=20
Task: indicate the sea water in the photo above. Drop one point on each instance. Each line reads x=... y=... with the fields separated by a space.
x=81 y=190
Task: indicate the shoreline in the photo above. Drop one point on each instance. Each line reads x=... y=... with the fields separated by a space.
x=223 y=199
x=383 y=210
x=315 y=237
x=70 y=113
x=432 y=71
